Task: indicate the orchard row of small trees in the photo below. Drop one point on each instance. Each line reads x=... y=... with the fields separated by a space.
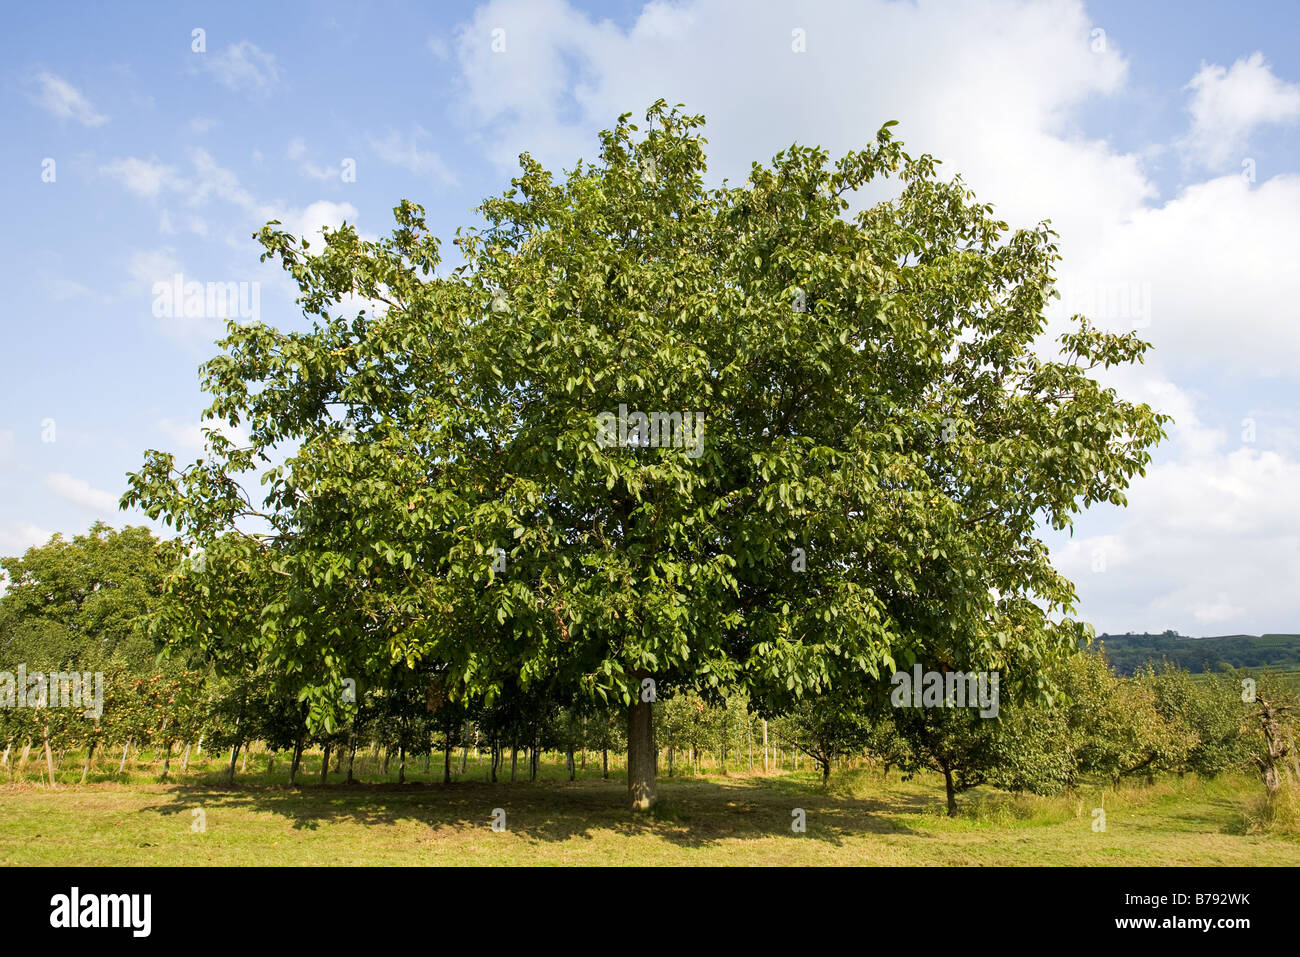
x=1163 y=720
x=81 y=605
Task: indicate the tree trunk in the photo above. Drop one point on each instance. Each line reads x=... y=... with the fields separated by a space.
x=573 y=768
x=234 y=755
x=325 y=765
x=401 y=763
x=952 y=794
x=185 y=761
x=22 y=761
x=446 y=759
x=1272 y=765
x=297 y=760
x=49 y=758
x=90 y=756
x=765 y=745
x=670 y=759
x=640 y=756
x=243 y=765
x=352 y=756
x=604 y=763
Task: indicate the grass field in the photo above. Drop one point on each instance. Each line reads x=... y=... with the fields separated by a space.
x=744 y=819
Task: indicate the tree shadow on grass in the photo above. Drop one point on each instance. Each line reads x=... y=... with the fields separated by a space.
x=690 y=813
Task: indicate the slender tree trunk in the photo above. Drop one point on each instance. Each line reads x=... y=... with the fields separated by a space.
x=514 y=757
x=49 y=758
x=952 y=793
x=1272 y=765
x=573 y=767
x=243 y=764
x=85 y=768
x=199 y=749
x=604 y=763
x=352 y=756
x=670 y=759
x=234 y=755
x=297 y=760
x=325 y=765
x=401 y=763
x=640 y=756
x=765 y=745
x=185 y=761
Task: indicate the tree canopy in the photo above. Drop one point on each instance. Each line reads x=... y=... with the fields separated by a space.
x=880 y=439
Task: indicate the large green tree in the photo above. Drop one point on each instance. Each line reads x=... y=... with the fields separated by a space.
x=81 y=602
x=879 y=438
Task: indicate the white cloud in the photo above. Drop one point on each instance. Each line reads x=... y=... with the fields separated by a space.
x=188 y=437
x=65 y=101
x=405 y=152
x=988 y=87
x=215 y=180
x=1217 y=265
x=297 y=152
x=245 y=68
x=80 y=492
x=1211 y=535
x=308 y=222
x=17 y=537
x=142 y=177
x=1227 y=104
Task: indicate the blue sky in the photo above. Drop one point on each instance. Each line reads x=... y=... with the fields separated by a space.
x=1137 y=141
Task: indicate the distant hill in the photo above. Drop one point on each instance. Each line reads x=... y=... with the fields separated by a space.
x=1129 y=652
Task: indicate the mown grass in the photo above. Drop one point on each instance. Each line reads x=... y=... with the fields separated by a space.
x=744 y=819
